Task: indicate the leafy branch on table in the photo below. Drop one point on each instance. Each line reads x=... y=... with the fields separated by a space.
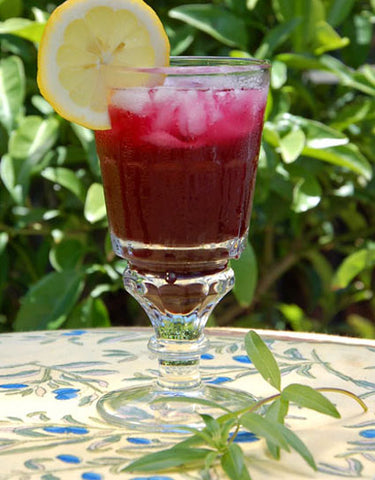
x=264 y=418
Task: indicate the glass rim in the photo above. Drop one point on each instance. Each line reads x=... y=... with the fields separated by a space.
x=203 y=66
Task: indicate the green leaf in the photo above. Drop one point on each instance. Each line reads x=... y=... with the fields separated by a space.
x=276 y=37
x=180 y=38
x=12 y=90
x=338 y=11
x=94 y=209
x=296 y=443
x=346 y=156
x=300 y=61
x=292 y=145
x=66 y=178
x=87 y=140
x=24 y=28
x=172 y=458
x=10 y=8
x=214 y=20
x=276 y=412
x=261 y=427
x=326 y=39
x=279 y=74
x=307 y=397
x=353 y=265
x=49 y=301
x=33 y=138
x=346 y=75
x=9 y=176
x=233 y=463
x=307 y=194
x=262 y=359
x=246 y=274
x=67 y=254
x=90 y=313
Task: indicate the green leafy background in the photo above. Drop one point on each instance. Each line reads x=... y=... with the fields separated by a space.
x=311 y=255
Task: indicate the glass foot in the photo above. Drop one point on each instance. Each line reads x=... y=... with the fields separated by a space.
x=148 y=409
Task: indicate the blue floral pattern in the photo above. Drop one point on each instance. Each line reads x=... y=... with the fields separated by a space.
x=50 y=383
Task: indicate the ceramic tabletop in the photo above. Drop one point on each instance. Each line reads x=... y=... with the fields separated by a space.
x=51 y=381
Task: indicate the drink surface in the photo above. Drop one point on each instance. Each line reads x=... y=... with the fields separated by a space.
x=179 y=166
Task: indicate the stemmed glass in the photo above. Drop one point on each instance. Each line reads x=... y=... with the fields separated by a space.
x=178 y=168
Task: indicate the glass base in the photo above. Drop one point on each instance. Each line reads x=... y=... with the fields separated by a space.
x=137 y=408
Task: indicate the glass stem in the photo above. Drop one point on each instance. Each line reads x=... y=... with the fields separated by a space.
x=178 y=306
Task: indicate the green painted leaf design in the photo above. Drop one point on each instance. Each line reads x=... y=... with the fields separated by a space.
x=307 y=397
x=262 y=359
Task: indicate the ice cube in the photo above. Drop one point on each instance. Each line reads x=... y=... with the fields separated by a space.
x=134 y=100
x=191 y=116
x=163 y=139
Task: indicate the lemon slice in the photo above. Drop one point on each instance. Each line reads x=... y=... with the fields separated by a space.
x=81 y=39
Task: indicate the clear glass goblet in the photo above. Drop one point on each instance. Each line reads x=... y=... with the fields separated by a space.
x=178 y=168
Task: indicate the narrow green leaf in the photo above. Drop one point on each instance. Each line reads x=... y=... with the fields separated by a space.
x=262 y=427
x=172 y=458
x=296 y=443
x=307 y=397
x=246 y=274
x=12 y=90
x=233 y=463
x=276 y=412
x=262 y=359
x=94 y=209
x=214 y=20
x=48 y=302
x=353 y=265
x=66 y=178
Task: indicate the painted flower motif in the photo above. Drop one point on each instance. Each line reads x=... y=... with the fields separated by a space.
x=154 y=477
x=74 y=333
x=245 y=437
x=219 y=380
x=65 y=393
x=13 y=385
x=370 y=433
x=66 y=458
x=91 y=476
x=207 y=356
x=74 y=430
x=241 y=358
x=139 y=440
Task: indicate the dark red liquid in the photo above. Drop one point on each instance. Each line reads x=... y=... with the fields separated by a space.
x=179 y=168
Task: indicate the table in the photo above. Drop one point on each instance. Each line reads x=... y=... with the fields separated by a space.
x=50 y=382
